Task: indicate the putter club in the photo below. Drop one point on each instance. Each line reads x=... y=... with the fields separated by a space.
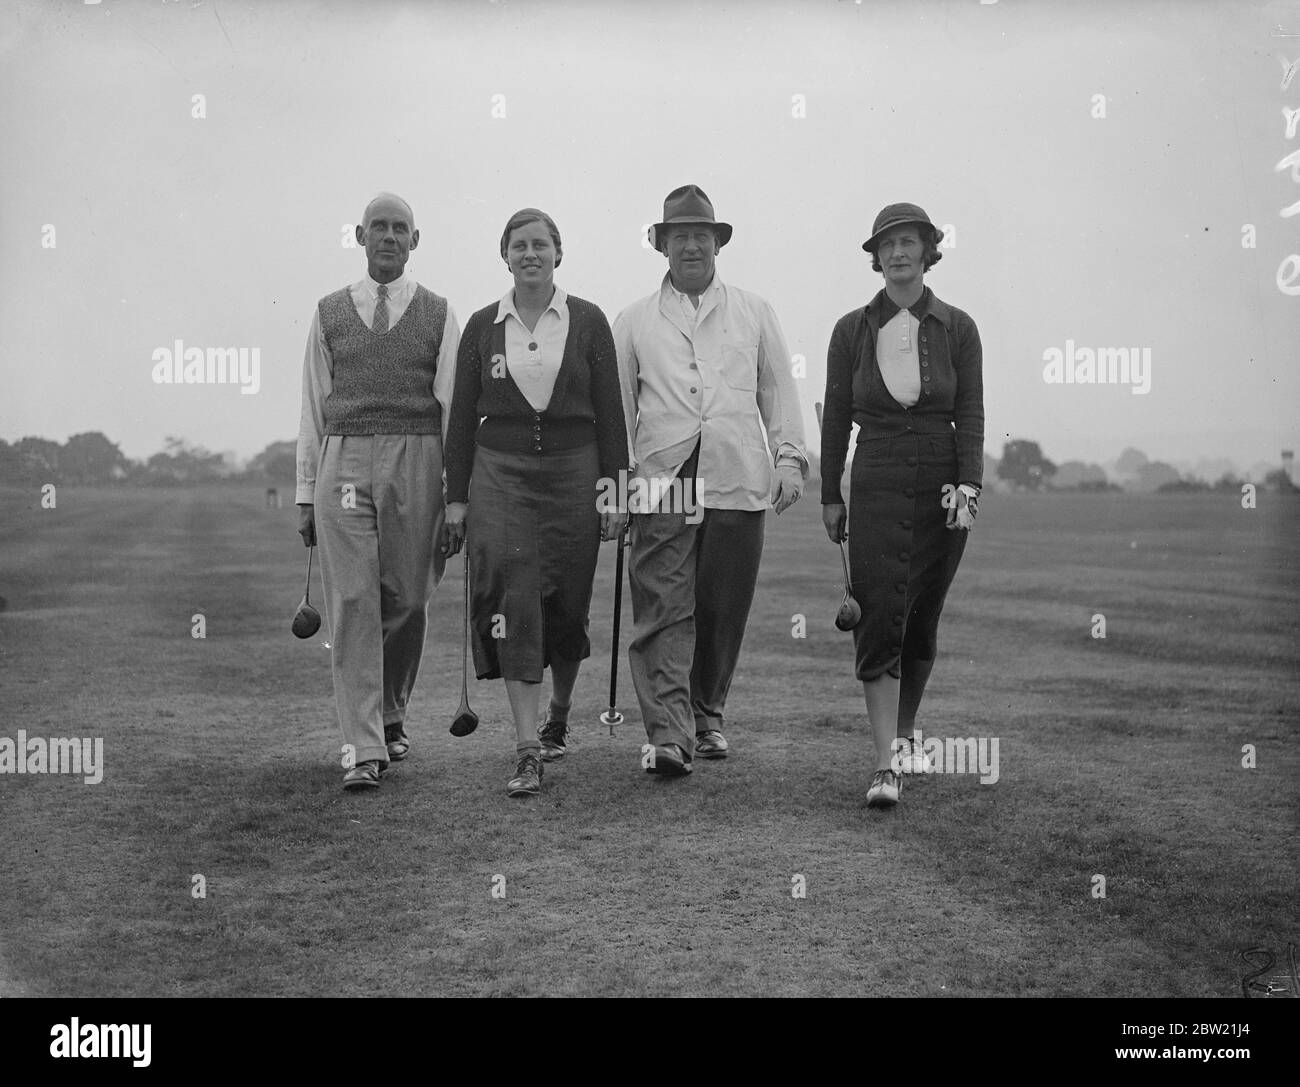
x=850 y=613
x=306 y=620
x=611 y=716
x=466 y=719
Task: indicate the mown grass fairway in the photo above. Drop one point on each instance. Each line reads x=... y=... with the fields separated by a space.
x=1119 y=757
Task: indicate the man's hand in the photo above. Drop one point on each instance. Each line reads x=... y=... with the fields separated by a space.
x=455 y=527
x=835 y=517
x=789 y=487
x=307 y=523
x=612 y=524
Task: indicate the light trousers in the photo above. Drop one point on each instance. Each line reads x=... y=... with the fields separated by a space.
x=379 y=512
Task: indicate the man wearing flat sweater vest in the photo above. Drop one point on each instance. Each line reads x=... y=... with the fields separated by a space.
x=376 y=395
x=710 y=401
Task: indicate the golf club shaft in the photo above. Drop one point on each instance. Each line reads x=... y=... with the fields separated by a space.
x=306 y=595
x=618 y=615
x=848 y=578
x=464 y=644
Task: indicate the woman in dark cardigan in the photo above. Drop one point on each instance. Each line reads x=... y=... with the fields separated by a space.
x=536 y=422
x=907 y=368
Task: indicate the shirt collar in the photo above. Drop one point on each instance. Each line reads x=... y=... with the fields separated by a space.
x=395 y=288
x=715 y=284
x=886 y=309
x=506 y=307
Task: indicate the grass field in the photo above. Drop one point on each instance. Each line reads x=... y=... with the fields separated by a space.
x=1119 y=757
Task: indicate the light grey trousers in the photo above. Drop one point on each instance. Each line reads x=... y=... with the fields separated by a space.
x=379 y=512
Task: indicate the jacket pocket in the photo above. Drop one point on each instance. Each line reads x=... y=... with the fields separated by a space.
x=740 y=366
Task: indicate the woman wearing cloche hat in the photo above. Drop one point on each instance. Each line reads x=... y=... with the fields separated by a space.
x=907 y=368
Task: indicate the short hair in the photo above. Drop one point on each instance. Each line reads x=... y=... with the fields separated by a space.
x=365 y=215
x=531 y=215
x=931 y=256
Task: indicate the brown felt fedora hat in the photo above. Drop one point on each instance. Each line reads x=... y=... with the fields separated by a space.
x=896 y=215
x=689 y=204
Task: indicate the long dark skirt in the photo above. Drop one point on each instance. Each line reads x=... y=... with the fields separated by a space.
x=533 y=535
x=901 y=556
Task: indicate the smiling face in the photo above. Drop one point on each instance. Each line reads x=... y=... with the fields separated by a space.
x=691 y=249
x=388 y=234
x=530 y=252
x=901 y=256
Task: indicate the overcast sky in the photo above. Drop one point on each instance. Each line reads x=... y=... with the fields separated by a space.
x=224 y=230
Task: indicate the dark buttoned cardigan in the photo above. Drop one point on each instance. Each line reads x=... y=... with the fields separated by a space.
x=488 y=408
x=952 y=387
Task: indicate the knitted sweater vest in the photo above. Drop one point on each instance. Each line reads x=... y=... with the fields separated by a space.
x=383 y=384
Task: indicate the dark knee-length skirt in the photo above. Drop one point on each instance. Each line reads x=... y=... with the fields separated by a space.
x=901 y=556
x=533 y=537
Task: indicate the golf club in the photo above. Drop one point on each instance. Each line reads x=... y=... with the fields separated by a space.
x=611 y=716
x=466 y=719
x=850 y=613
x=306 y=620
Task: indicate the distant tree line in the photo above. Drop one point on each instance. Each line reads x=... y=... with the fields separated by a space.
x=92 y=460
x=1024 y=467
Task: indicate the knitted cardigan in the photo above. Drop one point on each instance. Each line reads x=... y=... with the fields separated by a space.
x=952 y=393
x=488 y=408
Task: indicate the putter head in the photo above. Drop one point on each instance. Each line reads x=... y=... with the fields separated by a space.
x=306 y=621
x=849 y=615
x=465 y=723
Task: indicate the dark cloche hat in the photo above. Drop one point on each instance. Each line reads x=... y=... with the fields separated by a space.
x=689 y=204
x=897 y=215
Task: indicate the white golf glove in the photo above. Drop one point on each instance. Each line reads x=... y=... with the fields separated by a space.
x=789 y=487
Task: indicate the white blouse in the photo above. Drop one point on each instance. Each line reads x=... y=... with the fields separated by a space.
x=533 y=358
x=898 y=358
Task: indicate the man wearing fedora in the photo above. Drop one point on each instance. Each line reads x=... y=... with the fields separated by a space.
x=710 y=401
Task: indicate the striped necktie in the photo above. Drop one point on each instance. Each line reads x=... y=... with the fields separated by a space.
x=381 y=310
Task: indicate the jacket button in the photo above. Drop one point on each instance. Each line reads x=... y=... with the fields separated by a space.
x=924 y=362
x=906 y=524
x=911 y=463
x=692 y=388
x=909 y=492
x=901 y=587
x=898 y=620
x=903 y=556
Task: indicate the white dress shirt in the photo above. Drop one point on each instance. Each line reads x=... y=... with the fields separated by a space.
x=899 y=359
x=722 y=379
x=533 y=358
x=318 y=371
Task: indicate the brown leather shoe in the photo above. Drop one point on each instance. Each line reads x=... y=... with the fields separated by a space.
x=551 y=734
x=711 y=744
x=528 y=776
x=669 y=760
x=396 y=742
x=365 y=775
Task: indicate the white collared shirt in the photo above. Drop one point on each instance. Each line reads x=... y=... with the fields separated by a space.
x=722 y=379
x=690 y=310
x=318 y=371
x=898 y=357
x=533 y=358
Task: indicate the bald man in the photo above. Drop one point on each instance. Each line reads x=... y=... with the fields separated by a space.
x=376 y=395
